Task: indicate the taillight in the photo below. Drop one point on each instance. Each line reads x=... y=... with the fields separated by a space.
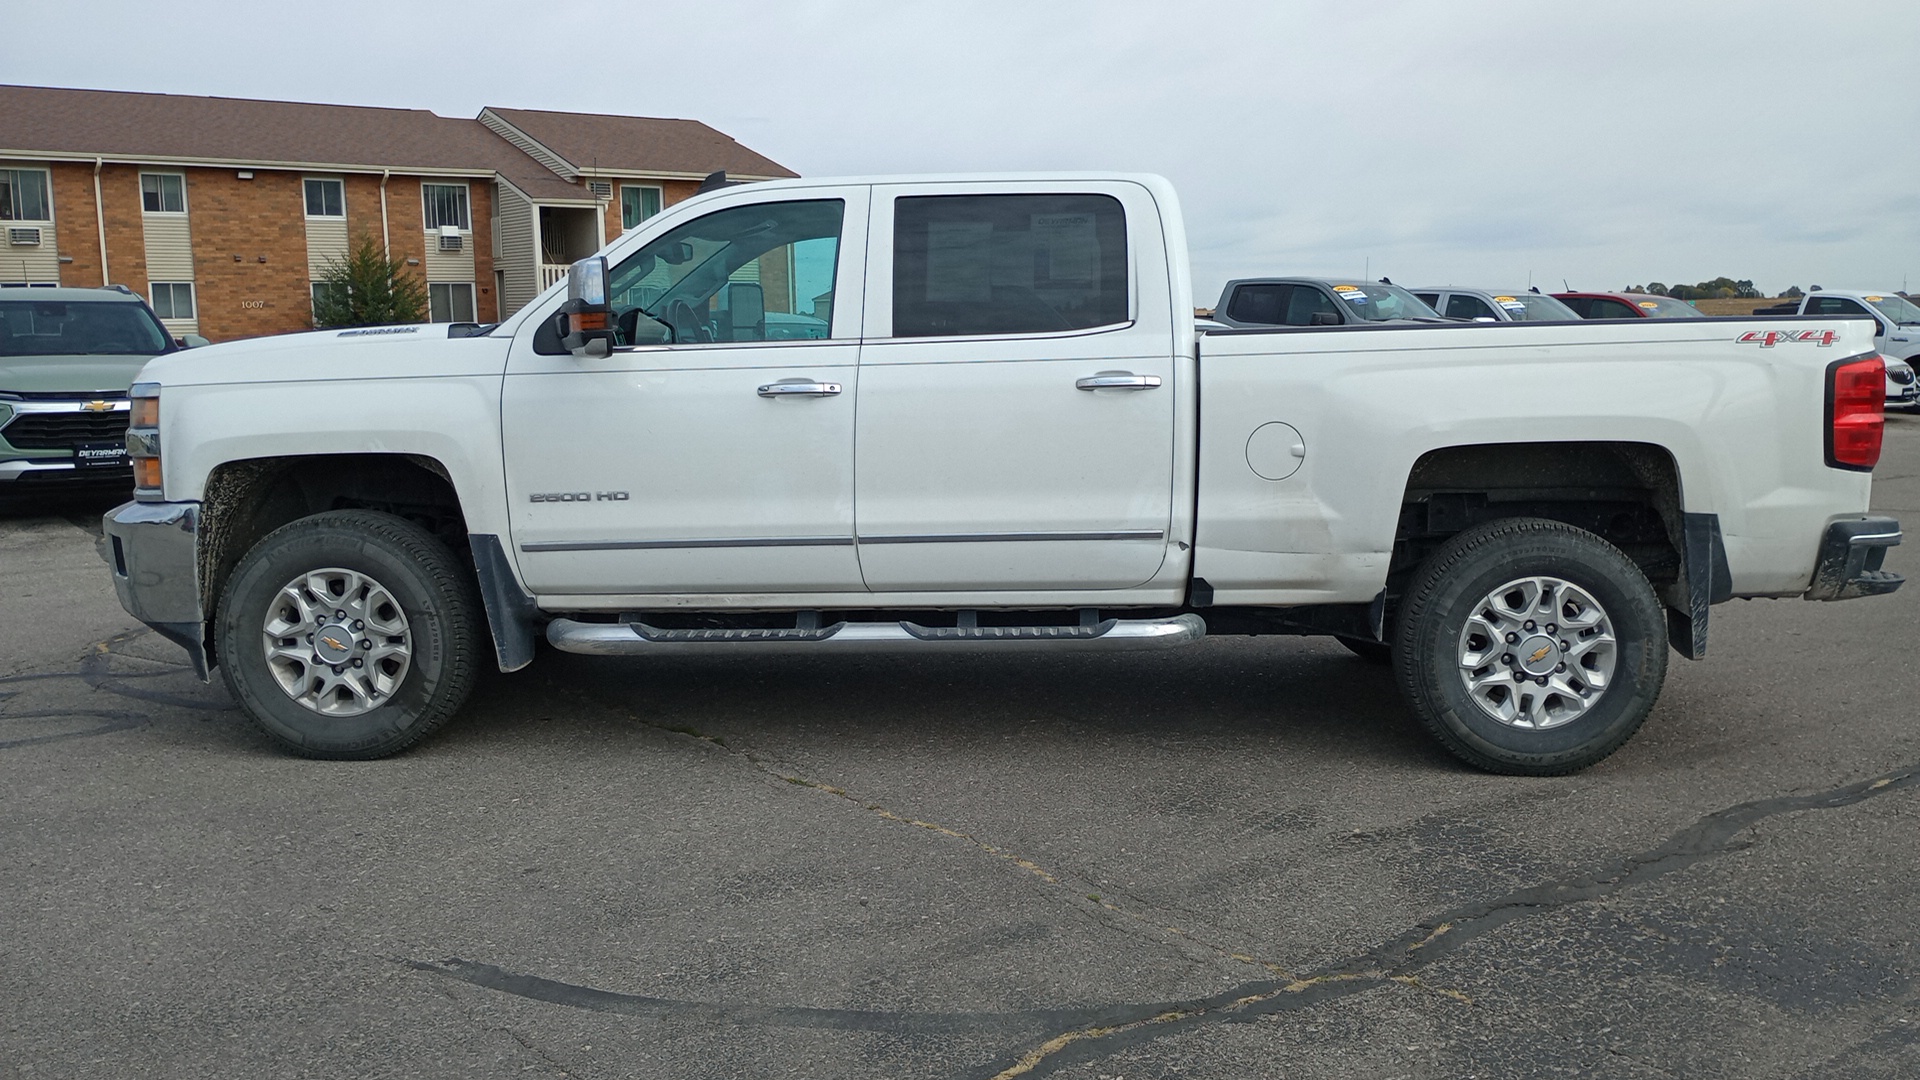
x=1856 y=412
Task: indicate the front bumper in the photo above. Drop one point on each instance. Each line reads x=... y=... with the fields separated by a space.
x=152 y=547
x=1850 y=558
x=62 y=472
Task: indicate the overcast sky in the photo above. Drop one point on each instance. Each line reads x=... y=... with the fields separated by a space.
x=1436 y=141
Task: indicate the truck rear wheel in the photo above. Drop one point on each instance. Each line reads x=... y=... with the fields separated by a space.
x=349 y=635
x=1530 y=647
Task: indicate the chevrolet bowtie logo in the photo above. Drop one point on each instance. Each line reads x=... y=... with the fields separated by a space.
x=98 y=406
x=1534 y=659
x=332 y=644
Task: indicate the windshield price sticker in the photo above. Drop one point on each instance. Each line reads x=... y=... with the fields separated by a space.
x=1767 y=339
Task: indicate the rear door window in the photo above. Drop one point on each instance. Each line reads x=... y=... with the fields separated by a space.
x=1260 y=304
x=1008 y=264
x=1833 y=305
x=1602 y=308
x=1462 y=306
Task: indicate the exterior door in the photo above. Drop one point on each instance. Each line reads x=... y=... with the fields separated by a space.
x=1017 y=412
x=712 y=452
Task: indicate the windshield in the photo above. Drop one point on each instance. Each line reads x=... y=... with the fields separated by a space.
x=1378 y=303
x=1533 y=307
x=1896 y=308
x=1666 y=307
x=78 y=328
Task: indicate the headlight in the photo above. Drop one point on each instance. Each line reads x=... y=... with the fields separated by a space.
x=143 y=440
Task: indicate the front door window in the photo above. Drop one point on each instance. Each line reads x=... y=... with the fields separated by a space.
x=751 y=273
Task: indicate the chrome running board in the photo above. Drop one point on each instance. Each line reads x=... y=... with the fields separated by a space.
x=1111 y=635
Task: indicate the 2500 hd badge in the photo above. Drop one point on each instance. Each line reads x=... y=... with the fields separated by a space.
x=577 y=496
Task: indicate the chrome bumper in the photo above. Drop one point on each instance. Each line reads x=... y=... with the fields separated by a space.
x=151 y=547
x=1850 y=558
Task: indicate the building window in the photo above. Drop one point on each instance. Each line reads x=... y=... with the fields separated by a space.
x=637 y=204
x=23 y=195
x=446 y=204
x=172 y=299
x=163 y=193
x=326 y=198
x=450 y=301
x=326 y=292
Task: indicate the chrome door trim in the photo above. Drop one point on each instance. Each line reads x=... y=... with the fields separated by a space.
x=714 y=542
x=1014 y=538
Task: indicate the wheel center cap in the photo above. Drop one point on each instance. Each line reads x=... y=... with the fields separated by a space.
x=1538 y=655
x=334 y=644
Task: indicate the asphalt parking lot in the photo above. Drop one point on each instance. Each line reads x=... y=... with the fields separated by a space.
x=1237 y=860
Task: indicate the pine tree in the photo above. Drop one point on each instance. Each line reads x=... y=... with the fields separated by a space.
x=368 y=289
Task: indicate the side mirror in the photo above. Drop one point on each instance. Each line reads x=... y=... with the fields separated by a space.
x=585 y=321
x=191 y=341
x=1324 y=318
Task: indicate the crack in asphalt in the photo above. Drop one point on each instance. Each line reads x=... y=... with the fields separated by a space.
x=1092 y=1033
x=1099 y=903
x=96 y=672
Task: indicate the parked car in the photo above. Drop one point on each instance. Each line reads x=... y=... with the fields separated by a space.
x=1627 y=305
x=1010 y=440
x=67 y=357
x=1495 y=305
x=1261 y=302
x=1896 y=332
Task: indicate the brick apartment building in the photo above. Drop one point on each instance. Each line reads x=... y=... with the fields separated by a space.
x=223 y=212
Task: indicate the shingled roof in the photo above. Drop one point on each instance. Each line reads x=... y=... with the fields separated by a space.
x=623 y=145
x=48 y=122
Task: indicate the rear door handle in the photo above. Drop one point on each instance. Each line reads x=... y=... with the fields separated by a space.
x=799 y=388
x=1117 y=380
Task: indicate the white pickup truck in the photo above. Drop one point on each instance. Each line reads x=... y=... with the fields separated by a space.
x=952 y=413
x=1896 y=332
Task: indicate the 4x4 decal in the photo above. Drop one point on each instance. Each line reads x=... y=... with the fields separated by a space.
x=1767 y=339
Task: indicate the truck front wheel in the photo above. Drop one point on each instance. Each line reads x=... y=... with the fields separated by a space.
x=1530 y=647
x=349 y=634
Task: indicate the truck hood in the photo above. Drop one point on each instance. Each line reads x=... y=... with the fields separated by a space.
x=366 y=353
x=77 y=375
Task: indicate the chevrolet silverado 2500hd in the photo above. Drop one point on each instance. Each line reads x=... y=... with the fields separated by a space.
x=943 y=414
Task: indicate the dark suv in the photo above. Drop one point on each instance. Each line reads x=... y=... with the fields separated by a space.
x=67 y=357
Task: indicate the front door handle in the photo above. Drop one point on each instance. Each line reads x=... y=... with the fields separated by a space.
x=1117 y=380
x=799 y=388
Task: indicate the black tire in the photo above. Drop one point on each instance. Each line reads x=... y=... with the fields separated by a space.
x=1449 y=589
x=443 y=620
x=1373 y=652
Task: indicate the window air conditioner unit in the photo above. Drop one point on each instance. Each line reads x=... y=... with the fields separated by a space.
x=602 y=189
x=24 y=237
x=449 y=238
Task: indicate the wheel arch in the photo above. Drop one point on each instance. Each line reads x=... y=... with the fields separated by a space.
x=244 y=500
x=1629 y=493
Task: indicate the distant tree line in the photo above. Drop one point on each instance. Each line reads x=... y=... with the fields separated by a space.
x=1720 y=288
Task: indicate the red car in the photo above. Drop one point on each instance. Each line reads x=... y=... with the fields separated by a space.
x=1627 y=305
